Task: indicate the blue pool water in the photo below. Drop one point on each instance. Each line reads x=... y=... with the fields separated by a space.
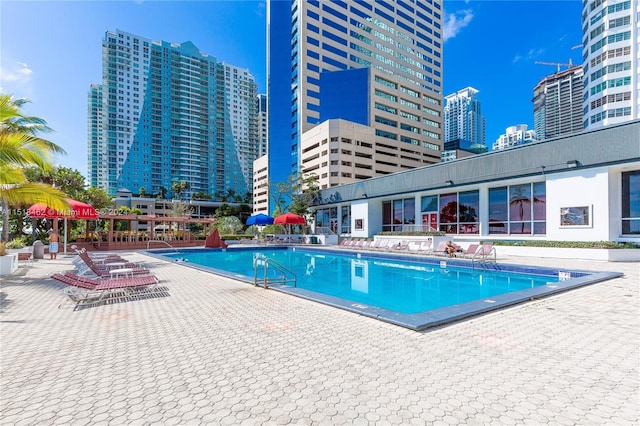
x=413 y=292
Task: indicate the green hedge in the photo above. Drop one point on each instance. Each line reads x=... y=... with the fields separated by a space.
x=568 y=244
x=413 y=233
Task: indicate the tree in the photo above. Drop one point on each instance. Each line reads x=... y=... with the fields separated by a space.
x=162 y=193
x=296 y=195
x=67 y=180
x=179 y=209
x=20 y=147
x=229 y=225
x=178 y=188
x=142 y=192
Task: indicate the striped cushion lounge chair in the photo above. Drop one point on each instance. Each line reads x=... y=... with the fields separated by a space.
x=88 y=291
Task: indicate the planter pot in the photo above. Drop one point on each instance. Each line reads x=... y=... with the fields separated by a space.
x=8 y=264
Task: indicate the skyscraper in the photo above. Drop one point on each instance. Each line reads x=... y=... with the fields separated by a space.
x=171 y=113
x=557 y=104
x=514 y=136
x=463 y=118
x=610 y=51
x=375 y=64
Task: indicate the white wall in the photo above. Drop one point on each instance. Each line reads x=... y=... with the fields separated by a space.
x=360 y=210
x=575 y=189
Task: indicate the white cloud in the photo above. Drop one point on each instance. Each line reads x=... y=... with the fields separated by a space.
x=18 y=74
x=456 y=21
x=15 y=78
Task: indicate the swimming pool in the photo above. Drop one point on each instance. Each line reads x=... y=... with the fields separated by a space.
x=413 y=292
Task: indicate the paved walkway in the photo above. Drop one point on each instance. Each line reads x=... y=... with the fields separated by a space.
x=216 y=351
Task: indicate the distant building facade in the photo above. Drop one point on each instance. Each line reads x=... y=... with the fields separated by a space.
x=557 y=104
x=373 y=64
x=514 y=136
x=171 y=113
x=611 y=48
x=261 y=106
x=463 y=118
x=459 y=148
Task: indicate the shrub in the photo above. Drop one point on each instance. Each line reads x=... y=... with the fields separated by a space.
x=16 y=243
x=569 y=244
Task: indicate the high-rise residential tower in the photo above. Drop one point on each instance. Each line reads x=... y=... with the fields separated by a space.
x=610 y=52
x=377 y=64
x=557 y=104
x=171 y=113
x=514 y=136
x=463 y=118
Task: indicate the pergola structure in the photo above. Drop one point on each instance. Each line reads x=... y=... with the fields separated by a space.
x=175 y=233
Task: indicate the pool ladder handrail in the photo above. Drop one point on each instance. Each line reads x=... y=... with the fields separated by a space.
x=162 y=241
x=266 y=262
x=484 y=258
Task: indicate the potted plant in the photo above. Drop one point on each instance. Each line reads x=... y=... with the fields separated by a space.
x=8 y=261
x=16 y=245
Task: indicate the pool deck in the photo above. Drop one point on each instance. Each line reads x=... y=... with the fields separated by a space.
x=212 y=350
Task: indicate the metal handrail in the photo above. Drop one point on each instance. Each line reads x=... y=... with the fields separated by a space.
x=266 y=262
x=162 y=241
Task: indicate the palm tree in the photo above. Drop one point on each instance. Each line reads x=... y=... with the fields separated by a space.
x=21 y=147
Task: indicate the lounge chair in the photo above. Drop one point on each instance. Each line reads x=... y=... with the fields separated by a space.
x=103 y=269
x=401 y=246
x=426 y=246
x=87 y=291
x=470 y=251
x=486 y=253
x=414 y=247
x=440 y=250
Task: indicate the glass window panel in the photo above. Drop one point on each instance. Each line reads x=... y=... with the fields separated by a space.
x=520 y=202
x=520 y=228
x=429 y=203
x=449 y=229
x=386 y=216
x=630 y=226
x=540 y=228
x=397 y=213
x=448 y=208
x=539 y=201
x=410 y=210
x=469 y=204
x=631 y=195
x=498 y=205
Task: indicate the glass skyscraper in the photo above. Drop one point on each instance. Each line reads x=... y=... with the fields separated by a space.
x=168 y=112
x=610 y=52
x=377 y=64
x=463 y=118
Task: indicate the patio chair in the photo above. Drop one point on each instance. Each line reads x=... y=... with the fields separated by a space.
x=440 y=250
x=414 y=247
x=470 y=251
x=401 y=246
x=87 y=291
x=426 y=246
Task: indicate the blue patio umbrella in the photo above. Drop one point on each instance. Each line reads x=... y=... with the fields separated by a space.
x=260 y=219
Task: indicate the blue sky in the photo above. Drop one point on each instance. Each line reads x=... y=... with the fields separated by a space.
x=50 y=51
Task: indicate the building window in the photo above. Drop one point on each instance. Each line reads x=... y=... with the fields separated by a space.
x=518 y=209
x=631 y=202
x=399 y=215
x=346 y=219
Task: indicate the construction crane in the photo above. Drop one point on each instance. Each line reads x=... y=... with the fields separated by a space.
x=558 y=64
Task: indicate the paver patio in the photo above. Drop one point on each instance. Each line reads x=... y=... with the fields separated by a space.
x=217 y=351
